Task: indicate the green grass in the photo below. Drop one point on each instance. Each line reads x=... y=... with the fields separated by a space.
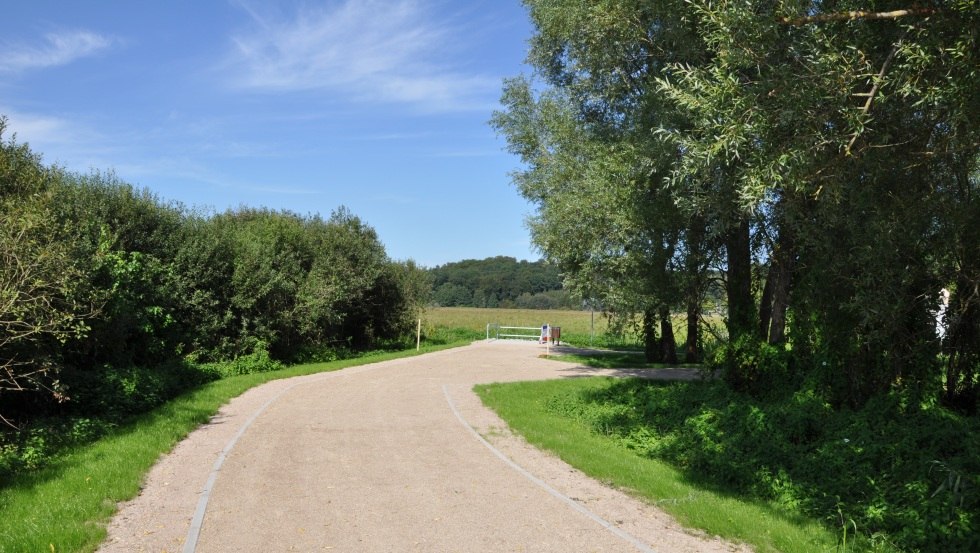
x=65 y=506
x=763 y=525
x=476 y=318
x=619 y=360
x=580 y=328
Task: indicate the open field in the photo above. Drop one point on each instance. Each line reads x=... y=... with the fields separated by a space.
x=476 y=318
x=580 y=328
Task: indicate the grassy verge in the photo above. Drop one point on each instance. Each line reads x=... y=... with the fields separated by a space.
x=619 y=360
x=764 y=525
x=65 y=505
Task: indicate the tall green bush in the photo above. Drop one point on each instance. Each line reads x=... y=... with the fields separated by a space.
x=107 y=291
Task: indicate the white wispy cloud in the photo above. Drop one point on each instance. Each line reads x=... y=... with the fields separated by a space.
x=371 y=50
x=61 y=140
x=57 y=48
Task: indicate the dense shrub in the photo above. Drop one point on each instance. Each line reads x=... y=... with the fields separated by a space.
x=755 y=367
x=257 y=361
x=119 y=392
x=37 y=443
x=904 y=473
x=113 y=301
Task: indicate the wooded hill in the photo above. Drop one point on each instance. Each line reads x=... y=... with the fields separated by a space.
x=499 y=282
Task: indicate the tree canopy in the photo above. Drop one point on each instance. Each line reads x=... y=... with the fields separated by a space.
x=499 y=282
x=819 y=162
x=821 y=157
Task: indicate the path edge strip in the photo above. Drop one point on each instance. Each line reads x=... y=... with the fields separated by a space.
x=544 y=485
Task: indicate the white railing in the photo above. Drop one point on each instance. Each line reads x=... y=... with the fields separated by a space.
x=499 y=332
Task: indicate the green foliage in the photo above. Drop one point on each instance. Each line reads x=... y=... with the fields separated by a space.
x=499 y=282
x=43 y=305
x=821 y=157
x=901 y=473
x=109 y=297
x=35 y=446
x=755 y=367
x=257 y=361
x=137 y=323
x=548 y=300
x=202 y=273
x=102 y=399
x=117 y=393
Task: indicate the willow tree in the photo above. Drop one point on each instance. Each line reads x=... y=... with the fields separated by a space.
x=595 y=170
x=825 y=153
x=848 y=129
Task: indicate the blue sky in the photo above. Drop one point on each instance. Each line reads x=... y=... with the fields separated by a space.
x=377 y=105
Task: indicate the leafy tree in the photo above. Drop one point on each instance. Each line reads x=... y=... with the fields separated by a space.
x=203 y=268
x=124 y=240
x=672 y=136
x=851 y=176
x=106 y=291
x=595 y=170
x=42 y=305
x=452 y=295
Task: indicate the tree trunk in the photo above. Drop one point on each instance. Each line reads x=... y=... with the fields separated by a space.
x=668 y=345
x=962 y=344
x=692 y=347
x=741 y=307
x=782 y=284
x=651 y=342
x=765 y=303
x=694 y=276
x=775 y=294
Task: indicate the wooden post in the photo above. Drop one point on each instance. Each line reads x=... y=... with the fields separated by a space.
x=418 y=336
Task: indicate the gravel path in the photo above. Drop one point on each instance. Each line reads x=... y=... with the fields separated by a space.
x=394 y=456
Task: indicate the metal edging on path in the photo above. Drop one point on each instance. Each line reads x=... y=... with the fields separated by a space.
x=194 y=532
x=197 y=522
x=542 y=484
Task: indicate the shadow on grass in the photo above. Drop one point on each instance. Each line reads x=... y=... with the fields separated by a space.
x=608 y=359
x=887 y=469
x=176 y=412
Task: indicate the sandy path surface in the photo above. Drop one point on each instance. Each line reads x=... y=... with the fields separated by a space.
x=395 y=456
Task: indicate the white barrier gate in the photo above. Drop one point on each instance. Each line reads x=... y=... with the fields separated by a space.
x=497 y=331
x=546 y=334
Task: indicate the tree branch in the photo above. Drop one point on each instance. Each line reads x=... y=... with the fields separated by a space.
x=853 y=16
x=874 y=90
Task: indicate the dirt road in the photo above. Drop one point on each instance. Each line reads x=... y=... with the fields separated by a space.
x=395 y=456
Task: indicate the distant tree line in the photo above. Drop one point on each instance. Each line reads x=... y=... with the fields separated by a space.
x=500 y=282
x=104 y=286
